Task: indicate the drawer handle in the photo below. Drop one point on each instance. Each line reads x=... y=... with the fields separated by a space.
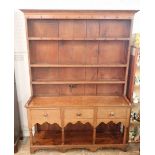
x=45 y=115
x=72 y=86
x=111 y=114
x=78 y=114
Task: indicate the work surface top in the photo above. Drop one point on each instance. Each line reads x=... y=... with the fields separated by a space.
x=77 y=101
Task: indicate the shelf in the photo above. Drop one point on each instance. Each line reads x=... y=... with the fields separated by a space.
x=109 y=138
x=83 y=101
x=47 y=138
x=78 y=82
x=52 y=38
x=78 y=137
x=63 y=65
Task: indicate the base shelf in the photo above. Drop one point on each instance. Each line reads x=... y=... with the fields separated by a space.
x=47 y=138
x=78 y=137
x=109 y=138
x=78 y=134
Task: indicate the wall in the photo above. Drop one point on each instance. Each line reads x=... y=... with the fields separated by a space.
x=21 y=67
x=20 y=47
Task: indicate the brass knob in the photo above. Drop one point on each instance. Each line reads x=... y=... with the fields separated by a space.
x=45 y=115
x=78 y=114
x=111 y=114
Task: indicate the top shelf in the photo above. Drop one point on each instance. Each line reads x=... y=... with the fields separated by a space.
x=57 y=38
x=79 y=14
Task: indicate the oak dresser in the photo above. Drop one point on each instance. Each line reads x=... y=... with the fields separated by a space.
x=78 y=63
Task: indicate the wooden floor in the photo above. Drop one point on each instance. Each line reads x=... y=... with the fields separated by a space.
x=133 y=149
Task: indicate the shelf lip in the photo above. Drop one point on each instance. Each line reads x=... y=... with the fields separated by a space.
x=63 y=65
x=93 y=39
x=78 y=82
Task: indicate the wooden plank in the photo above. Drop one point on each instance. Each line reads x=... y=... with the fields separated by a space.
x=79 y=82
x=79 y=14
x=132 y=70
x=112 y=52
x=128 y=59
x=78 y=101
x=29 y=54
x=44 y=52
x=91 y=65
x=77 y=38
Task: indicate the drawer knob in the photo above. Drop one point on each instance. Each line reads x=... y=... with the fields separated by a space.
x=111 y=114
x=45 y=115
x=72 y=86
x=78 y=114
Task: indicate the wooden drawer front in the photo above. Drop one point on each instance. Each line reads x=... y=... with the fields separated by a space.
x=112 y=112
x=79 y=113
x=42 y=116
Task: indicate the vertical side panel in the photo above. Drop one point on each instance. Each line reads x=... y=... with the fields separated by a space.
x=128 y=59
x=28 y=49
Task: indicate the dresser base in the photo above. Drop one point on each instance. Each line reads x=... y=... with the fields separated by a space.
x=64 y=148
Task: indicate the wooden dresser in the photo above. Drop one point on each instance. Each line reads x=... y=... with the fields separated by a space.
x=78 y=62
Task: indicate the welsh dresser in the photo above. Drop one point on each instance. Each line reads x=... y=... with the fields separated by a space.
x=78 y=64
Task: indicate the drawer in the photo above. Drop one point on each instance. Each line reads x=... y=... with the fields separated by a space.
x=41 y=116
x=78 y=113
x=111 y=112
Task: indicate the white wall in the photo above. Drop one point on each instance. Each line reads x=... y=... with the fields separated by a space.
x=21 y=56
x=21 y=67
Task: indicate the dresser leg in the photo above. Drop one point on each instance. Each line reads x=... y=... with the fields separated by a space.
x=94 y=135
x=63 y=150
x=125 y=139
x=36 y=128
x=63 y=136
x=93 y=149
x=33 y=149
x=124 y=149
x=31 y=136
x=125 y=135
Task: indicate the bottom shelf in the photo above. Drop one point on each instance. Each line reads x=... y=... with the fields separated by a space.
x=76 y=138
x=109 y=133
x=47 y=137
x=79 y=137
x=78 y=134
x=109 y=138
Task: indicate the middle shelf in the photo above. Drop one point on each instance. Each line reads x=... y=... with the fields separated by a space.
x=77 y=65
x=57 y=38
x=80 y=75
x=79 y=82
